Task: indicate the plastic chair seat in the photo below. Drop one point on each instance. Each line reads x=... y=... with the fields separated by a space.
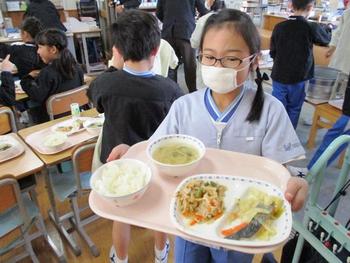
x=10 y=220
x=64 y=184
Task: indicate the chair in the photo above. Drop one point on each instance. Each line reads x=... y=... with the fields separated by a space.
x=7 y=121
x=71 y=186
x=58 y=104
x=20 y=211
x=319 y=226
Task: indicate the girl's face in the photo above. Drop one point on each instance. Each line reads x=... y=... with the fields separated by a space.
x=226 y=42
x=47 y=53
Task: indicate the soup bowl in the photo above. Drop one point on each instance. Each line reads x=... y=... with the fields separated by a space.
x=122 y=181
x=194 y=147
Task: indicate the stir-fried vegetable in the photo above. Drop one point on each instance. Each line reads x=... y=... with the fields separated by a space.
x=201 y=201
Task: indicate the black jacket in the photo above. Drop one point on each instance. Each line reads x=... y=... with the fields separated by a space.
x=134 y=106
x=7 y=89
x=178 y=17
x=24 y=56
x=46 y=12
x=291 y=49
x=49 y=82
x=128 y=4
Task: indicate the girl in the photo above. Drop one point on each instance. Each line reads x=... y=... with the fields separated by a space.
x=62 y=73
x=25 y=56
x=236 y=115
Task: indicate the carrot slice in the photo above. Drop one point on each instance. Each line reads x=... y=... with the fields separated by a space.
x=232 y=230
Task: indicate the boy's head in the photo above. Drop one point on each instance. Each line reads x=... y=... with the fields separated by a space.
x=136 y=35
x=30 y=27
x=302 y=5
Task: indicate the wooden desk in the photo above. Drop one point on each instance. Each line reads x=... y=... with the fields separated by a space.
x=53 y=159
x=25 y=164
x=322 y=111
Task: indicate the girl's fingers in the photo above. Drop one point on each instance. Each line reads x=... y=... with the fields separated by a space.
x=296 y=193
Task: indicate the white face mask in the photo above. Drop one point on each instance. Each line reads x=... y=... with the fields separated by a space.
x=221 y=80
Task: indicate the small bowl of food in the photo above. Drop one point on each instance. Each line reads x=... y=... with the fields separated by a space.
x=122 y=181
x=176 y=154
x=94 y=126
x=55 y=140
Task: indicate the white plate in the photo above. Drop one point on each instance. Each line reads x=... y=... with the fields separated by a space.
x=236 y=187
x=69 y=123
x=12 y=152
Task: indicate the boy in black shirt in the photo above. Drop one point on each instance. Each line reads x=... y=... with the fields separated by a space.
x=134 y=101
x=7 y=87
x=291 y=49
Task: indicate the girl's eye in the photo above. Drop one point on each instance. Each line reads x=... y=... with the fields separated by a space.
x=231 y=59
x=208 y=57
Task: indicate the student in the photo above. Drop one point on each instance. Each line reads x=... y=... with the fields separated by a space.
x=25 y=56
x=178 y=25
x=62 y=72
x=340 y=127
x=236 y=115
x=291 y=49
x=46 y=12
x=213 y=6
x=339 y=47
x=134 y=101
x=121 y=5
x=7 y=87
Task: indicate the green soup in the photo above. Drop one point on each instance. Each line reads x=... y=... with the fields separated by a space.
x=176 y=153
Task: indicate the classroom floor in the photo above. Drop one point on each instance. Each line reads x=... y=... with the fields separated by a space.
x=141 y=247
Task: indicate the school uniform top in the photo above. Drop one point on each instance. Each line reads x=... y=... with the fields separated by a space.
x=46 y=12
x=272 y=136
x=50 y=82
x=7 y=89
x=24 y=56
x=178 y=17
x=341 y=40
x=291 y=49
x=134 y=105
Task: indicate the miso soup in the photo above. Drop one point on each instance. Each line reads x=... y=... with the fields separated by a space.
x=176 y=153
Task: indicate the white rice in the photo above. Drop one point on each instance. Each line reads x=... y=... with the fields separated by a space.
x=120 y=179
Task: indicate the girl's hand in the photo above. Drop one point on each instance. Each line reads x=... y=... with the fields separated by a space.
x=34 y=73
x=118 y=152
x=6 y=65
x=330 y=51
x=296 y=193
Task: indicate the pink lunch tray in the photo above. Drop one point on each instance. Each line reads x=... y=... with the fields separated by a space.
x=152 y=211
x=35 y=140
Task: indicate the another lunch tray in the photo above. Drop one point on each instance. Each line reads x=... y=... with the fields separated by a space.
x=152 y=210
x=35 y=140
x=17 y=150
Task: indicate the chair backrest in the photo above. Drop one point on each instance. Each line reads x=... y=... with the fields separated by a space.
x=60 y=103
x=82 y=157
x=7 y=121
x=10 y=195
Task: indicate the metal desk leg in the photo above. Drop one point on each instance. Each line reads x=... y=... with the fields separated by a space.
x=86 y=54
x=56 y=219
x=41 y=226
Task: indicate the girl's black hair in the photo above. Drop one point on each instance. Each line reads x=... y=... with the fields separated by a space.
x=242 y=24
x=32 y=26
x=65 y=63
